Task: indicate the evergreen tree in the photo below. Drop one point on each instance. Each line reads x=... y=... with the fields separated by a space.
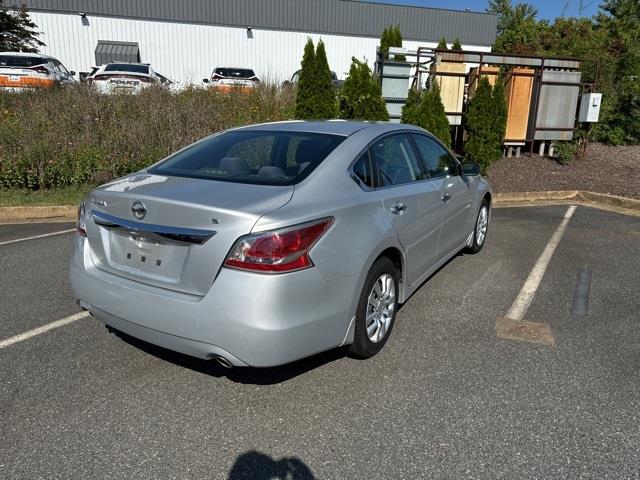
x=410 y=108
x=456 y=45
x=391 y=37
x=397 y=42
x=442 y=44
x=306 y=83
x=484 y=144
x=500 y=110
x=439 y=122
x=315 y=95
x=17 y=31
x=425 y=109
x=385 y=42
x=325 y=91
x=361 y=96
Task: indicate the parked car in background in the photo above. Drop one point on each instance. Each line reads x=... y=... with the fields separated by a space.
x=20 y=71
x=226 y=78
x=125 y=77
x=296 y=77
x=265 y=244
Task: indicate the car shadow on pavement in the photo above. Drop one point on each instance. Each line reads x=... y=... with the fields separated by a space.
x=249 y=375
x=254 y=465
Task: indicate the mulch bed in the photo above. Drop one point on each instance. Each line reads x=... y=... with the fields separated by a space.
x=604 y=169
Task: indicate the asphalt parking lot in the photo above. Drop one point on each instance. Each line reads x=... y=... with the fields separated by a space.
x=448 y=397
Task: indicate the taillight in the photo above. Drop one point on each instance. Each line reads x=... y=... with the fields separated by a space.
x=255 y=80
x=278 y=251
x=215 y=77
x=40 y=69
x=81 y=226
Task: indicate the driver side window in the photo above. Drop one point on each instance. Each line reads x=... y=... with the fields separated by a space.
x=437 y=160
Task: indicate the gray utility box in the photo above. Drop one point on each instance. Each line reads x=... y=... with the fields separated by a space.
x=557 y=105
x=590 y=107
x=395 y=87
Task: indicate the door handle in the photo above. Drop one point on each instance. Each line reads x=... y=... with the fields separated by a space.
x=398 y=208
x=446 y=197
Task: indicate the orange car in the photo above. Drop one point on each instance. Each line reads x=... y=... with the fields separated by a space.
x=20 y=71
x=228 y=78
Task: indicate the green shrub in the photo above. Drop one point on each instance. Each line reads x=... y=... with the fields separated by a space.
x=456 y=44
x=442 y=44
x=425 y=109
x=391 y=37
x=315 y=95
x=485 y=121
x=361 y=95
x=75 y=136
x=566 y=152
x=411 y=106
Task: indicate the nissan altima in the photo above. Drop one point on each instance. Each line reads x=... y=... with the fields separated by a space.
x=265 y=244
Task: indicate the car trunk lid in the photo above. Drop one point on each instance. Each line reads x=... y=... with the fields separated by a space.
x=173 y=232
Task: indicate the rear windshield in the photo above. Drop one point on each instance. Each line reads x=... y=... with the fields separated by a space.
x=235 y=72
x=267 y=158
x=126 y=67
x=18 y=61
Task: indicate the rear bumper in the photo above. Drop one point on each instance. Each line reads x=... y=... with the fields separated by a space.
x=250 y=319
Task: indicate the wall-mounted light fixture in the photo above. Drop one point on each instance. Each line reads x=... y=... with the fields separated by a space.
x=249 y=32
x=84 y=19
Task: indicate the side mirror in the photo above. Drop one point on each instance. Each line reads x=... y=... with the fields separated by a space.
x=72 y=73
x=205 y=80
x=470 y=169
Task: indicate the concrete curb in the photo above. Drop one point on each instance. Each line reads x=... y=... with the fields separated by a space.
x=59 y=213
x=628 y=206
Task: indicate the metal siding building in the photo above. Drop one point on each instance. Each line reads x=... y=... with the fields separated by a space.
x=185 y=39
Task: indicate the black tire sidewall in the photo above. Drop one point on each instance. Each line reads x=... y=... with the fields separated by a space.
x=362 y=347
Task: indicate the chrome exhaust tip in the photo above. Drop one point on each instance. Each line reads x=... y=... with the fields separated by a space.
x=223 y=361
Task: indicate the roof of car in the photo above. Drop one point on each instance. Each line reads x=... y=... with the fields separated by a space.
x=334 y=127
x=26 y=54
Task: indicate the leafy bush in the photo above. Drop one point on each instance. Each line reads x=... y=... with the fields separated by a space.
x=426 y=110
x=315 y=97
x=566 y=152
x=485 y=121
x=456 y=44
x=442 y=44
x=75 y=136
x=361 y=95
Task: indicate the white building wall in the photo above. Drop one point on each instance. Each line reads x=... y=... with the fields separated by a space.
x=188 y=52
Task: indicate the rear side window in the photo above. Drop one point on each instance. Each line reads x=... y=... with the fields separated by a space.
x=260 y=157
x=18 y=61
x=362 y=169
x=126 y=67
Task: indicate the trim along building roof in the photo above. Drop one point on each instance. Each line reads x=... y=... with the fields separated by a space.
x=340 y=17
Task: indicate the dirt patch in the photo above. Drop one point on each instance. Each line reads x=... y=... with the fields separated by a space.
x=612 y=170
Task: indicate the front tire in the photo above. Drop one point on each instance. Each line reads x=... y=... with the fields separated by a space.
x=377 y=308
x=481 y=228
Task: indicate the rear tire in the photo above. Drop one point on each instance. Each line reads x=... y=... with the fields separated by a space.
x=481 y=228
x=376 y=310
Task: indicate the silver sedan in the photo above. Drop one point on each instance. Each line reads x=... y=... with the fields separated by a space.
x=265 y=244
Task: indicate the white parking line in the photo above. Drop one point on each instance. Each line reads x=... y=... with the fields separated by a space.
x=45 y=328
x=38 y=236
x=525 y=297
